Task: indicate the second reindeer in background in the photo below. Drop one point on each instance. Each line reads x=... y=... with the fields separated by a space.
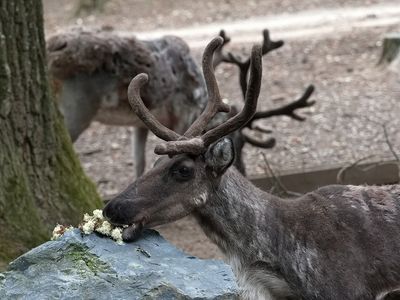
x=91 y=70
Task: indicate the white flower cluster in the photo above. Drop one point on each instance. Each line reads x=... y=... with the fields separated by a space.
x=90 y=224
x=98 y=224
x=59 y=230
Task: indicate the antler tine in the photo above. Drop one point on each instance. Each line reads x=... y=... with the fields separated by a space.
x=289 y=109
x=199 y=145
x=269 y=45
x=143 y=113
x=215 y=103
x=250 y=105
x=229 y=57
x=219 y=55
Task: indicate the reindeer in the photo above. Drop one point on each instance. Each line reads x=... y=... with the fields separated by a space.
x=91 y=70
x=338 y=242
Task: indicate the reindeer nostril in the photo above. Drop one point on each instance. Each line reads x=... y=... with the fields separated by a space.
x=118 y=212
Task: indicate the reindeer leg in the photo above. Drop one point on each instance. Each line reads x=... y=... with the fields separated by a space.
x=78 y=104
x=139 y=138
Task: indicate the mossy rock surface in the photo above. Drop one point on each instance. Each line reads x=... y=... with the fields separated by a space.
x=93 y=267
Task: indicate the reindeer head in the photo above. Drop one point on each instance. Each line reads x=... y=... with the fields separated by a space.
x=182 y=181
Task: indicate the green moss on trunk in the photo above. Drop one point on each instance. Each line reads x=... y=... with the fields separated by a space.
x=41 y=180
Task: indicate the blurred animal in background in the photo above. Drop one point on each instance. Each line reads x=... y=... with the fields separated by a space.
x=91 y=70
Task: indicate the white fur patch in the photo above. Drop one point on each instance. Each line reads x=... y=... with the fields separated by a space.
x=200 y=199
x=383 y=294
x=258 y=284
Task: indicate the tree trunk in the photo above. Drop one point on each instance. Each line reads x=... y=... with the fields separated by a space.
x=41 y=181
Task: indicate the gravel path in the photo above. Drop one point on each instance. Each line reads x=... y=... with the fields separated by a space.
x=146 y=15
x=354 y=96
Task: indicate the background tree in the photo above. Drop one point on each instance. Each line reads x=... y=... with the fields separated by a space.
x=41 y=180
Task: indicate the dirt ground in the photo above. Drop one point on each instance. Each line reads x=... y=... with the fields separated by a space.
x=354 y=95
x=145 y=15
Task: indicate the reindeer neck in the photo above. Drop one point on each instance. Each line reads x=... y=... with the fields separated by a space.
x=235 y=215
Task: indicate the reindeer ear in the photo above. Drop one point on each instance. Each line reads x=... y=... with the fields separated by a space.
x=220 y=156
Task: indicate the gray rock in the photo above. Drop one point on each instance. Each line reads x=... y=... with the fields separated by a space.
x=93 y=267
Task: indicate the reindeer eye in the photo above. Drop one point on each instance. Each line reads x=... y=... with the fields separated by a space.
x=183 y=173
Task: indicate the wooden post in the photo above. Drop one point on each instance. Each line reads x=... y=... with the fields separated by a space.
x=391 y=48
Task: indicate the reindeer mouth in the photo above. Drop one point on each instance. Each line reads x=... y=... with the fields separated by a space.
x=132 y=232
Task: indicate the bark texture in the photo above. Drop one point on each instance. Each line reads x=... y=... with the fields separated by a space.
x=41 y=180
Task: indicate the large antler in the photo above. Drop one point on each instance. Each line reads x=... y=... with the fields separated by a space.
x=214 y=104
x=143 y=113
x=267 y=46
x=199 y=145
x=192 y=142
x=289 y=109
x=243 y=65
